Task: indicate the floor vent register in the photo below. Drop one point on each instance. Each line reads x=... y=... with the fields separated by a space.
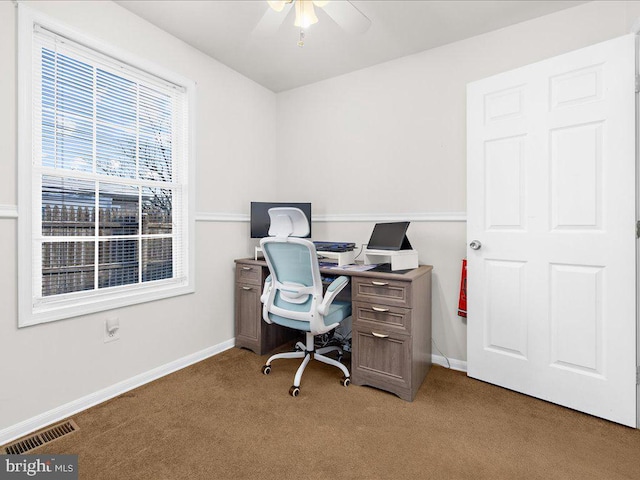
x=38 y=439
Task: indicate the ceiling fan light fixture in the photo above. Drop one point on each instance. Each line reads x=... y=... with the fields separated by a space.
x=277 y=5
x=305 y=14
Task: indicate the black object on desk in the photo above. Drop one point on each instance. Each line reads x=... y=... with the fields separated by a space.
x=386 y=267
x=389 y=236
x=334 y=246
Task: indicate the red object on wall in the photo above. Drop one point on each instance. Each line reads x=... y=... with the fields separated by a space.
x=462 y=301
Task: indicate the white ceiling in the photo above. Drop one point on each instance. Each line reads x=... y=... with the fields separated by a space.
x=224 y=30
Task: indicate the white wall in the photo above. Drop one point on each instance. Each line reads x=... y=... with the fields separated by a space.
x=392 y=139
x=45 y=366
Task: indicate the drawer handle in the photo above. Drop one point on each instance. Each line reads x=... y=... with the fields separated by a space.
x=246 y=268
x=378 y=309
x=247 y=288
x=379 y=284
x=379 y=335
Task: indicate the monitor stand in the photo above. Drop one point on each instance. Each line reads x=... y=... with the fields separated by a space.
x=399 y=259
x=343 y=258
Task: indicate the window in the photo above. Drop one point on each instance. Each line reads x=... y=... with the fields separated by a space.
x=107 y=179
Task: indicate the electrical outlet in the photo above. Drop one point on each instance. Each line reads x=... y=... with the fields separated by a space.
x=111 y=329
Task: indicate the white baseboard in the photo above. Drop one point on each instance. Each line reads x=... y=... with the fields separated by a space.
x=454 y=364
x=63 y=411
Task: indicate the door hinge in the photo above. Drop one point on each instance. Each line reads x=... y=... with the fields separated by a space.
x=638 y=229
x=637 y=83
x=637 y=375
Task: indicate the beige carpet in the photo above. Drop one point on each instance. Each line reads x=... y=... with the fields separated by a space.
x=223 y=419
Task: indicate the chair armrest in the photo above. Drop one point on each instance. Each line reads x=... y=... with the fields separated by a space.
x=333 y=290
x=265 y=290
x=264 y=299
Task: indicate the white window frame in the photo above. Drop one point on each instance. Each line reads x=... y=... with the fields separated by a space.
x=69 y=305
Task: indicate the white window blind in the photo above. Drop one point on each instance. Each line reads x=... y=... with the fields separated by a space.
x=109 y=179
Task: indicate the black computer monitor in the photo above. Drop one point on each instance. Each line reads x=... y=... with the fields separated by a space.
x=389 y=236
x=260 y=220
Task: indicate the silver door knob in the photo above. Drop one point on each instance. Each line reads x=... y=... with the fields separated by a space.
x=475 y=245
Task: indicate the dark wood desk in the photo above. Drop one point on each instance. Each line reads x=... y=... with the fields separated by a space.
x=391 y=324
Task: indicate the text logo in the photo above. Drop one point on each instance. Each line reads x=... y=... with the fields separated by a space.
x=39 y=467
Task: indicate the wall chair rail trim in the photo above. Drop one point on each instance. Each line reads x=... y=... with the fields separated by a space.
x=349 y=217
x=8 y=211
x=11 y=211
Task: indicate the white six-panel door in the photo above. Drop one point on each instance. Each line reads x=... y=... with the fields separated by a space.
x=551 y=201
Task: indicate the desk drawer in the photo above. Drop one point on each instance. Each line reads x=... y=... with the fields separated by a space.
x=379 y=291
x=372 y=316
x=248 y=314
x=249 y=274
x=382 y=360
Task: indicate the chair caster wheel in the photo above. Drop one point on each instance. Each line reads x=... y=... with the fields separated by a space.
x=345 y=381
x=266 y=369
x=294 y=391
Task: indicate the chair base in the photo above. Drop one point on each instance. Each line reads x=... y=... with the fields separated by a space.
x=308 y=352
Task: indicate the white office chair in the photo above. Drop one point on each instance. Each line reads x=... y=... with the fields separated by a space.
x=293 y=294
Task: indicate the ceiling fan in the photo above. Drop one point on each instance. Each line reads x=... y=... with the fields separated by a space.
x=343 y=12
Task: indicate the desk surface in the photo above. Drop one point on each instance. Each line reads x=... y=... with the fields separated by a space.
x=407 y=277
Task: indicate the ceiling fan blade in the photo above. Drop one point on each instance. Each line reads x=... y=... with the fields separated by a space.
x=347 y=15
x=271 y=21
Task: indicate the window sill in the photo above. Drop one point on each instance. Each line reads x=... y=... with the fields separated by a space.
x=49 y=312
